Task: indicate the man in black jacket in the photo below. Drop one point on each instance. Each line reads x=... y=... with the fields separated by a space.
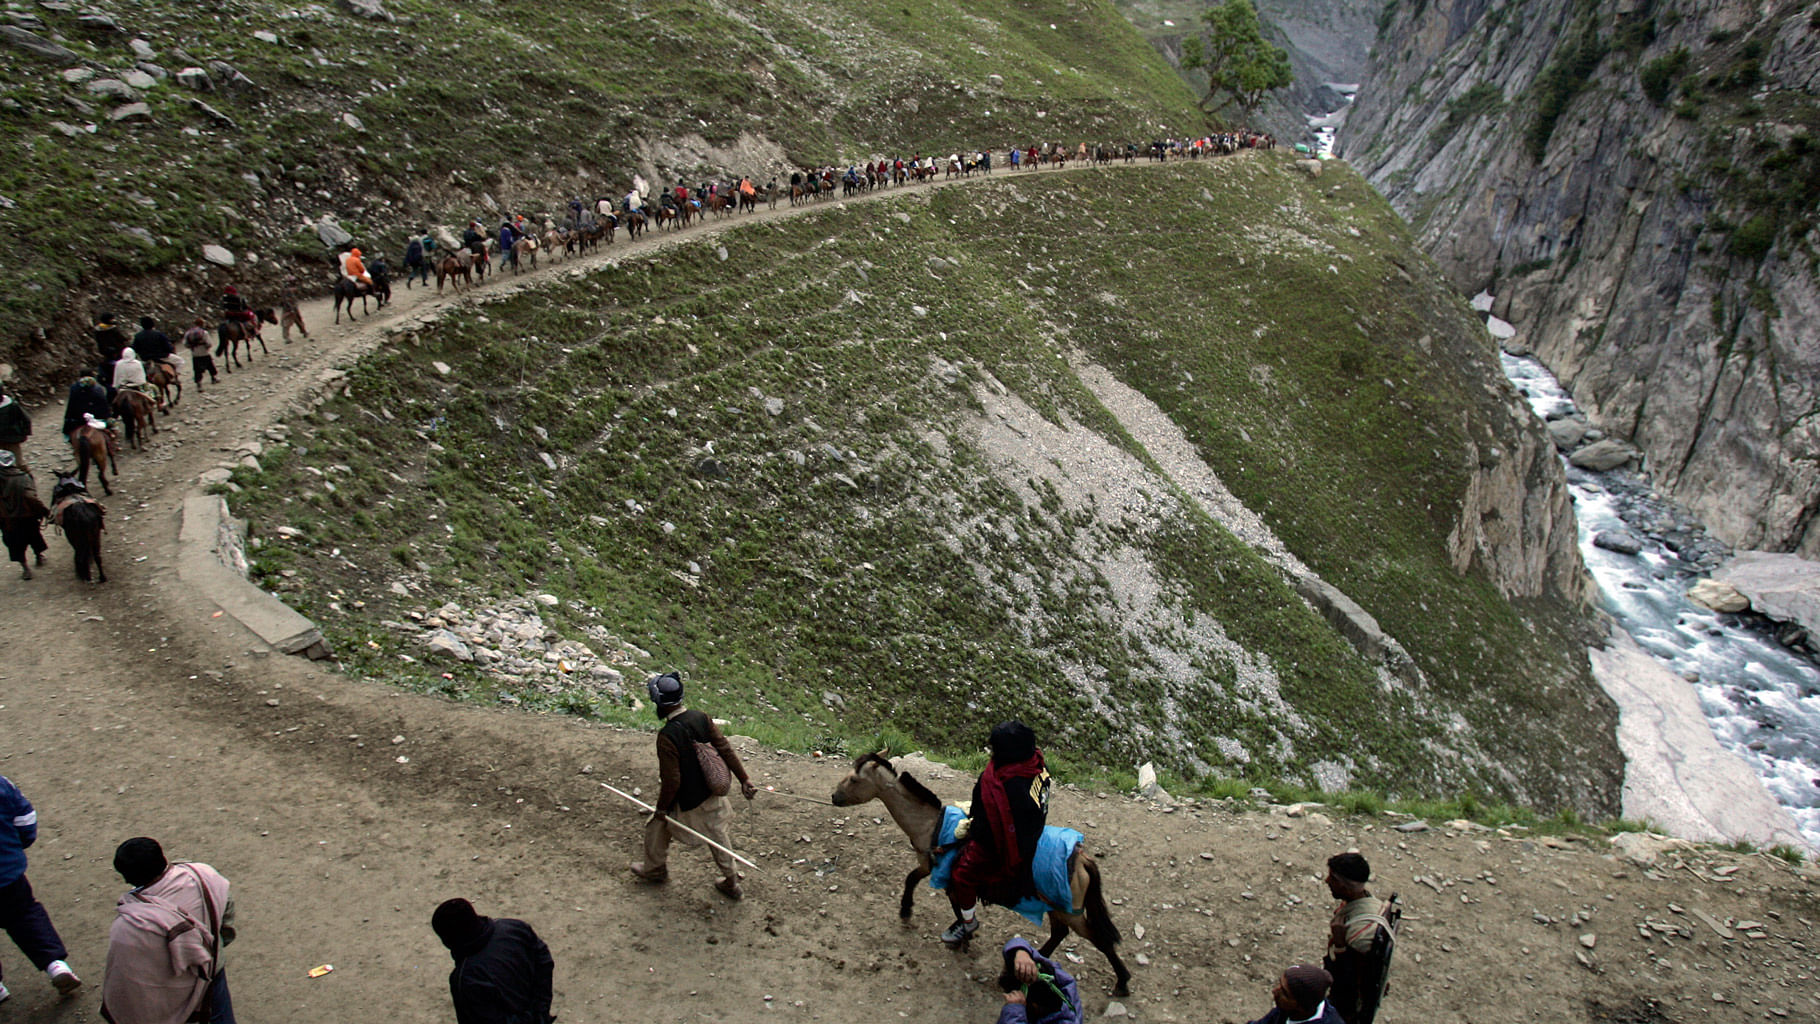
x=502 y=969
x=154 y=346
x=683 y=789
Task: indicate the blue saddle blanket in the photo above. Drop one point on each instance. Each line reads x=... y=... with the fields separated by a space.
x=1050 y=869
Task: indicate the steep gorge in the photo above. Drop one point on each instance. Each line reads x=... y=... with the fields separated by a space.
x=1636 y=182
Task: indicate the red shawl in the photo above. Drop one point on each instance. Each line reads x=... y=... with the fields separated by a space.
x=997 y=806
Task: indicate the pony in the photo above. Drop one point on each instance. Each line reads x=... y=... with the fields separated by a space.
x=557 y=242
x=454 y=268
x=526 y=246
x=585 y=240
x=635 y=221
x=231 y=334
x=164 y=377
x=139 y=411
x=918 y=811
x=80 y=517
x=94 y=446
x=347 y=291
x=667 y=215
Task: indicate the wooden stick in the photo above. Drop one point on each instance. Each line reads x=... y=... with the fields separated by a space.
x=774 y=791
x=677 y=824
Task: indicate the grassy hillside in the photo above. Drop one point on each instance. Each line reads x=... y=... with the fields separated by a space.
x=786 y=459
x=383 y=124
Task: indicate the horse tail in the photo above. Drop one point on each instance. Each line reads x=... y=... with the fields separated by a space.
x=1099 y=919
x=82 y=457
x=221 y=342
x=82 y=541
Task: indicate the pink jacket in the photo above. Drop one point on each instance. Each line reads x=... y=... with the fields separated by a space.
x=160 y=955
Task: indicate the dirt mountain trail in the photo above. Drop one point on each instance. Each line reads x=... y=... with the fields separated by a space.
x=344 y=811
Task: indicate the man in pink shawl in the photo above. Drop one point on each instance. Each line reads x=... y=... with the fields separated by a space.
x=164 y=948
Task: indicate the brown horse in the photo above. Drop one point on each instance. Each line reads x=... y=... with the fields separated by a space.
x=231 y=334
x=94 y=447
x=454 y=267
x=139 y=410
x=919 y=813
x=667 y=215
x=164 y=377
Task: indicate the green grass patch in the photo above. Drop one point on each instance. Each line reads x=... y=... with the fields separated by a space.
x=856 y=558
x=528 y=102
x=1568 y=73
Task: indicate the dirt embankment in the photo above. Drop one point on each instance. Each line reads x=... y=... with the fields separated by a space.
x=344 y=812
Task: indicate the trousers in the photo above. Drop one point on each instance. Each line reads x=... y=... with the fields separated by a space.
x=709 y=818
x=24 y=919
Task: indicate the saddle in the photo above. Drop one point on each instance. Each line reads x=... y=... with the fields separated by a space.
x=1048 y=873
x=69 y=500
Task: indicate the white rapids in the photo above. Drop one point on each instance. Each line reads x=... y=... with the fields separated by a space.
x=1760 y=700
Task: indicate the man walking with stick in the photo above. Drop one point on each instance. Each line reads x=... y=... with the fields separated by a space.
x=695 y=766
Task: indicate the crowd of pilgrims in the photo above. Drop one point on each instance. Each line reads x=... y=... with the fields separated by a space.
x=675 y=206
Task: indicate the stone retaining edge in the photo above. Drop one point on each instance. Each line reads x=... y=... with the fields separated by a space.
x=204 y=545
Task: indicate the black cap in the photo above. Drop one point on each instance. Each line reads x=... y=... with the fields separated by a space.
x=1011 y=742
x=666 y=690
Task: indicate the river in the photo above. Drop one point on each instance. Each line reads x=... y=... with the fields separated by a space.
x=1761 y=699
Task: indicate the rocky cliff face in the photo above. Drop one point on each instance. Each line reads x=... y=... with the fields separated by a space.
x=1636 y=181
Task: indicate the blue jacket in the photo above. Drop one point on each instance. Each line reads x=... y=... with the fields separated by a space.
x=1018 y=1013
x=18 y=830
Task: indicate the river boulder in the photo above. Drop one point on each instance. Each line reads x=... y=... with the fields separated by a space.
x=1720 y=597
x=1601 y=456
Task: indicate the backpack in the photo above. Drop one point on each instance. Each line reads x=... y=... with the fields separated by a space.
x=1374 y=975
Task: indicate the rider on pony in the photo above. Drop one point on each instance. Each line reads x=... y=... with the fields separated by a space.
x=1009 y=809
x=355 y=269
x=87 y=399
x=129 y=373
x=155 y=346
x=235 y=309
